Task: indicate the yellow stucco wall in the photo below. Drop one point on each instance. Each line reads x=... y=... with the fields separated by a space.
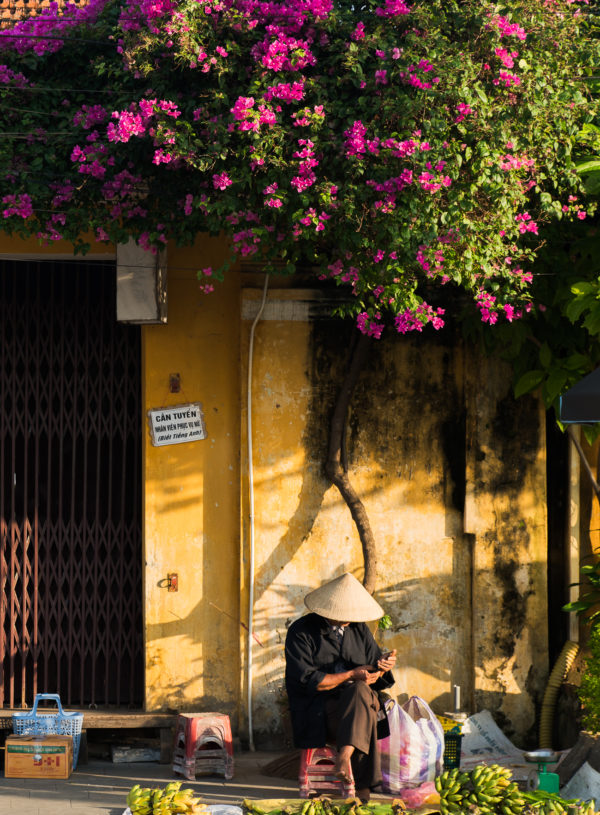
x=466 y=592
x=191 y=512
x=450 y=468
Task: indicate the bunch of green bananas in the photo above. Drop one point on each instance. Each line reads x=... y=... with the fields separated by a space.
x=489 y=789
x=352 y=806
x=541 y=802
x=168 y=801
x=323 y=806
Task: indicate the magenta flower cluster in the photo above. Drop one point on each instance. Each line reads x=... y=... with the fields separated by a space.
x=305 y=130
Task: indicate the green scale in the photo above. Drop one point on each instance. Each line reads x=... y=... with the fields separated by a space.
x=541 y=779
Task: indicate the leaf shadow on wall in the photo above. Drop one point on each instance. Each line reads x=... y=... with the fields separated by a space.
x=327 y=355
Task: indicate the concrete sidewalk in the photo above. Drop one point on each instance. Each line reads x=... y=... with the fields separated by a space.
x=101 y=787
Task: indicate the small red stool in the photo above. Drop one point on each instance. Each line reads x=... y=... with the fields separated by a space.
x=203 y=745
x=317 y=773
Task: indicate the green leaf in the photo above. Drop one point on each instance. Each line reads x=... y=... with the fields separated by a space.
x=545 y=355
x=576 y=605
x=592 y=321
x=576 y=307
x=528 y=382
x=592 y=183
x=588 y=166
x=591 y=433
x=555 y=385
x=576 y=362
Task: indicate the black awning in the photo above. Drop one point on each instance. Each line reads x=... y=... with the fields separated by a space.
x=581 y=403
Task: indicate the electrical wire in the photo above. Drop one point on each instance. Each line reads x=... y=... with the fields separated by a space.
x=3 y=35
x=31 y=134
x=31 y=110
x=38 y=88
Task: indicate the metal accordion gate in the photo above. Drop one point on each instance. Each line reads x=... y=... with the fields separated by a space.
x=70 y=491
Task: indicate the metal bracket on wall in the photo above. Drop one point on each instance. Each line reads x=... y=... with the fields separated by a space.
x=170 y=582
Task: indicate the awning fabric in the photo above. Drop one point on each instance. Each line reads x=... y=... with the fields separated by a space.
x=581 y=403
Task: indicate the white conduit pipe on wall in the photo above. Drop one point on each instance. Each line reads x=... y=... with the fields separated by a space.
x=251 y=514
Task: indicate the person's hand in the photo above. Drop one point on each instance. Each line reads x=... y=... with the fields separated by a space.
x=387 y=663
x=360 y=674
x=366 y=673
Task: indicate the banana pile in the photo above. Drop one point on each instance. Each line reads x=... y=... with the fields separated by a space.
x=168 y=801
x=491 y=791
x=547 y=803
x=324 y=806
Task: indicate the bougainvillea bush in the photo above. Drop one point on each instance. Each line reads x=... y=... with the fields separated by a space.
x=392 y=147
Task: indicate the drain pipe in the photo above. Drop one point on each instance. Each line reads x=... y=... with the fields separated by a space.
x=251 y=513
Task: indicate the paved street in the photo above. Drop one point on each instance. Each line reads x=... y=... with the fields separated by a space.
x=101 y=787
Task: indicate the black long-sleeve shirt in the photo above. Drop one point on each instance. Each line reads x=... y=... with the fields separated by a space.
x=312 y=651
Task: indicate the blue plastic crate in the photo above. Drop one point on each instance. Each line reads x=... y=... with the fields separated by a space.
x=59 y=723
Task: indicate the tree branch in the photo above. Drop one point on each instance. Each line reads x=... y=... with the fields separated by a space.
x=335 y=465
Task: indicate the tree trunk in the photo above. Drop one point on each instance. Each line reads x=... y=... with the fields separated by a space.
x=336 y=466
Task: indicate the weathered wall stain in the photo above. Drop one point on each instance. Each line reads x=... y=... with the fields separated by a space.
x=516 y=429
x=411 y=449
x=507 y=564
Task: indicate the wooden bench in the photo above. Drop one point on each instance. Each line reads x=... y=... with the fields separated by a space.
x=115 y=719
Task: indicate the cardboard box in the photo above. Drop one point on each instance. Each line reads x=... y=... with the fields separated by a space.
x=38 y=757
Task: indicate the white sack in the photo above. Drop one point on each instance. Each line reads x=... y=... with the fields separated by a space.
x=585 y=784
x=484 y=743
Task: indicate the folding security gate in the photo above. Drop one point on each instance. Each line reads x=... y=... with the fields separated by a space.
x=70 y=529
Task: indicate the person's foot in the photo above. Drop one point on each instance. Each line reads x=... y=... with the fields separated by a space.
x=364 y=795
x=343 y=769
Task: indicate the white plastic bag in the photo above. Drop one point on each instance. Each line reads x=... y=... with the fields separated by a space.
x=413 y=752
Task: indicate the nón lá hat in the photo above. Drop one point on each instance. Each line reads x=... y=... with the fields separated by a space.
x=345 y=600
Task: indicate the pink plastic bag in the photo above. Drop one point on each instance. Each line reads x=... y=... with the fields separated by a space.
x=413 y=752
x=415 y=797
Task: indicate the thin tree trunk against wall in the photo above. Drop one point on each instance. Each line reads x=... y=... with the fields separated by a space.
x=336 y=466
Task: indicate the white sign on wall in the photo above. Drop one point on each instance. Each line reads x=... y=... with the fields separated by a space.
x=177 y=424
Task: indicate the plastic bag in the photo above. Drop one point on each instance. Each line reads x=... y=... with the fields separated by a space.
x=413 y=752
x=425 y=794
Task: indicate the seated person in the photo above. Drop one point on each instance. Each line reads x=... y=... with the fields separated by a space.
x=334 y=669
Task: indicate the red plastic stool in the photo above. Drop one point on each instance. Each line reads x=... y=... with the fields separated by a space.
x=203 y=745
x=317 y=773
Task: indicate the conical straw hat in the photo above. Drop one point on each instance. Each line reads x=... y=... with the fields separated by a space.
x=345 y=600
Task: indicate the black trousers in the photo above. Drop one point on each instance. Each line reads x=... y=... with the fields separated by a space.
x=352 y=719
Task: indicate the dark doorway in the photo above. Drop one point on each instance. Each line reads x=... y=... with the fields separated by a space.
x=70 y=488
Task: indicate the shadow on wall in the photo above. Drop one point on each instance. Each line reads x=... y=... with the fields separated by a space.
x=436 y=629
x=431 y=642
x=385 y=430
x=433 y=632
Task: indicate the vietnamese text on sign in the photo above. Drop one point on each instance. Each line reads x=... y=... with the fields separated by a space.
x=177 y=424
